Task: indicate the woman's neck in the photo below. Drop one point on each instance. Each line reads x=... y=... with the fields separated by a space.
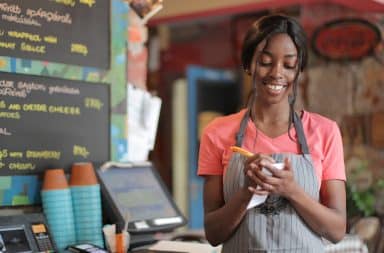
x=274 y=114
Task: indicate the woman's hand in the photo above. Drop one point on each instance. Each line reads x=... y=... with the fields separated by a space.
x=252 y=169
x=280 y=182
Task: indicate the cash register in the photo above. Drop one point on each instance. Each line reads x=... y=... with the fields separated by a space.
x=136 y=191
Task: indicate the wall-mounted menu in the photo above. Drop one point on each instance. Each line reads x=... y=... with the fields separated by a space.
x=51 y=123
x=66 y=31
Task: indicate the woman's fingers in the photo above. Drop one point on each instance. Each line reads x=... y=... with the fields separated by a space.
x=259 y=178
x=267 y=180
x=256 y=161
x=259 y=157
x=287 y=164
x=264 y=176
x=257 y=190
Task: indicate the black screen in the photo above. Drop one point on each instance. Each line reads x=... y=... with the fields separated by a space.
x=137 y=190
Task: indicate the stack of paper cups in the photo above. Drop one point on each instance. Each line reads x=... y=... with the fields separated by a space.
x=86 y=204
x=57 y=205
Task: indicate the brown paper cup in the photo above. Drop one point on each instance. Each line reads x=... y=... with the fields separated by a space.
x=82 y=174
x=54 y=179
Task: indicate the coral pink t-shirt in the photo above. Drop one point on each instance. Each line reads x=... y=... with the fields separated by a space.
x=322 y=134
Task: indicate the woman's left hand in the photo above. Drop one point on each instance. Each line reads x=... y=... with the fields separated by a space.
x=281 y=182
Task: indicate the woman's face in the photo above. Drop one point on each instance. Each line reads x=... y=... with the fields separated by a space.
x=274 y=65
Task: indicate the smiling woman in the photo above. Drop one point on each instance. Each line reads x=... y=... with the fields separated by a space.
x=275 y=69
x=306 y=198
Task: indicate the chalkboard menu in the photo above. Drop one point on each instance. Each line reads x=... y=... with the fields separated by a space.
x=51 y=123
x=66 y=31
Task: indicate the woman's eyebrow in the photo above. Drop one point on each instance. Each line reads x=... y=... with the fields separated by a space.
x=290 y=55
x=265 y=52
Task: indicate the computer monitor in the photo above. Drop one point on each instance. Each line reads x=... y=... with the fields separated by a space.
x=139 y=191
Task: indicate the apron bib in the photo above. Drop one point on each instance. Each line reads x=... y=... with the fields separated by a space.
x=273 y=226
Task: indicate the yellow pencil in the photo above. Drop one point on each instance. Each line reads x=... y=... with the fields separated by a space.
x=242 y=151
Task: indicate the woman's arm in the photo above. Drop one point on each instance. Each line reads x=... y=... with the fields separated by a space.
x=221 y=219
x=327 y=218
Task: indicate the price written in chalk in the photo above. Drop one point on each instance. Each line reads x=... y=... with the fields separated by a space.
x=3 y=153
x=80 y=151
x=93 y=103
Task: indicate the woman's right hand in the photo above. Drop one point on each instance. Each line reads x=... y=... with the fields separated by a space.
x=252 y=168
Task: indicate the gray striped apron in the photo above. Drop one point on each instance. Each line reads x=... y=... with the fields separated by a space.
x=273 y=226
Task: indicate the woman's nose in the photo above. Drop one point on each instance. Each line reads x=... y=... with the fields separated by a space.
x=276 y=71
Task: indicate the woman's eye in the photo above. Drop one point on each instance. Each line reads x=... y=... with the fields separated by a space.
x=290 y=66
x=265 y=63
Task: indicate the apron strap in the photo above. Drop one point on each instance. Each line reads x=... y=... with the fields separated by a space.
x=300 y=133
x=296 y=122
x=241 y=132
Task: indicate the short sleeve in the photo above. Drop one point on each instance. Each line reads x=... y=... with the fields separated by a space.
x=333 y=162
x=209 y=155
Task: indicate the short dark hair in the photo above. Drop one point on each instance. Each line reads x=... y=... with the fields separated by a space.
x=269 y=25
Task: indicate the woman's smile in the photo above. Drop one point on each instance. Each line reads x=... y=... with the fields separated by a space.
x=275 y=88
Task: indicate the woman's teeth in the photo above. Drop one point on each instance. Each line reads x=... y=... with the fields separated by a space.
x=275 y=87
